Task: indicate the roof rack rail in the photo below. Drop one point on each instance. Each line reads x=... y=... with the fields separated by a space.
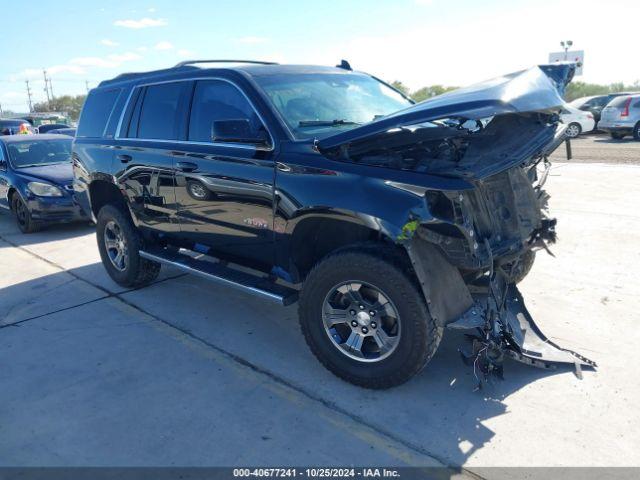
x=191 y=62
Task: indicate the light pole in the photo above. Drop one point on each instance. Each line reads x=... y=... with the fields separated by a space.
x=566 y=45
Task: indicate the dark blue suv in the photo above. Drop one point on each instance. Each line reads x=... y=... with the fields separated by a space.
x=386 y=220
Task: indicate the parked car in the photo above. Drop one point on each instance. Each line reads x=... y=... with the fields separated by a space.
x=64 y=131
x=36 y=180
x=596 y=104
x=47 y=127
x=382 y=218
x=577 y=121
x=621 y=117
x=14 y=126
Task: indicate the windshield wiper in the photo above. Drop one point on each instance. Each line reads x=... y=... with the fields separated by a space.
x=325 y=123
x=42 y=164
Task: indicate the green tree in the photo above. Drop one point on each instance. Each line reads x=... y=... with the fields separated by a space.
x=71 y=105
x=428 y=92
x=398 y=85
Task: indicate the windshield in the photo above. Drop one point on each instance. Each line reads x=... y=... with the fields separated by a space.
x=318 y=105
x=39 y=152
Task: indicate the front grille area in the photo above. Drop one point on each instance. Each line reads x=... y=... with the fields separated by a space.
x=502 y=211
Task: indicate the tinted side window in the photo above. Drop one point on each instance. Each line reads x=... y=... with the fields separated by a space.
x=215 y=100
x=96 y=112
x=160 y=110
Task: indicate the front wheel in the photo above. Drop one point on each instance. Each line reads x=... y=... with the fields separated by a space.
x=25 y=221
x=366 y=320
x=573 y=130
x=120 y=243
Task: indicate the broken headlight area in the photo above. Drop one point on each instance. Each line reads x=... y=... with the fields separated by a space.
x=500 y=219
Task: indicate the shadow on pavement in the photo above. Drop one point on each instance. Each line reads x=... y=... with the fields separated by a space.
x=436 y=412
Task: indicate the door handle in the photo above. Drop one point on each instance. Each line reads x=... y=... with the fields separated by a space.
x=124 y=158
x=283 y=167
x=187 y=166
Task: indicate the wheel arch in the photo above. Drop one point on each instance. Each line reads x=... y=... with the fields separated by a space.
x=316 y=233
x=103 y=192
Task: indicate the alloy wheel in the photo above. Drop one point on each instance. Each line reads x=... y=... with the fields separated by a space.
x=573 y=131
x=116 y=245
x=361 y=321
x=197 y=190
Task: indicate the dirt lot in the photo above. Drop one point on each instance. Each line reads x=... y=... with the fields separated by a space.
x=92 y=374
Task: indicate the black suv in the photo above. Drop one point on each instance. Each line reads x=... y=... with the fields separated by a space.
x=386 y=220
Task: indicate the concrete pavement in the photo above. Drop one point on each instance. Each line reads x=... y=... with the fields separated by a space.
x=91 y=374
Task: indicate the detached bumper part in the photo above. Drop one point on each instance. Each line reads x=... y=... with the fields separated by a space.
x=505 y=328
x=534 y=347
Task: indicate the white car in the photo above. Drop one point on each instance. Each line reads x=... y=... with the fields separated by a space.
x=576 y=120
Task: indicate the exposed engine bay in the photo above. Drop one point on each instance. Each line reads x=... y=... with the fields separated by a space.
x=488 y=233
x=473 y=234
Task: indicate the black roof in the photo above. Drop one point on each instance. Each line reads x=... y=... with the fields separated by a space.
x=251 y=68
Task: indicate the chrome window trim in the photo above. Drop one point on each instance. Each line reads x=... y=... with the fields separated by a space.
x=191 y=142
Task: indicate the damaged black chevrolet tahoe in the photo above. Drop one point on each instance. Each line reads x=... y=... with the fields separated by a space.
x=387 y=221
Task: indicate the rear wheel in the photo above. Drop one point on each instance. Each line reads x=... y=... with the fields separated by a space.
x=573 y=130
x=617 y=136
x=25 y=221
x=365 y=319
x=120 y=243
x=636 y=132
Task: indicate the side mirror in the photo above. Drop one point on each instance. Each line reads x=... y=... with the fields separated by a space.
x=237 y=131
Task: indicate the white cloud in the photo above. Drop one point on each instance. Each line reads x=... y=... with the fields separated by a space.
x=142 y=23
x=151 y=10
x=250 y=40
x=92 y=62
x=142 y=49
x=124 y=57
x=109 y=43
x=78 y=64
x=72 y=69
x=163 y=45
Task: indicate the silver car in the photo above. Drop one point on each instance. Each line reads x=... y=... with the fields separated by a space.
x=621 y=117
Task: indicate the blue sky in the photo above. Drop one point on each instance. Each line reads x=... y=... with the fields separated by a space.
x=420 y=42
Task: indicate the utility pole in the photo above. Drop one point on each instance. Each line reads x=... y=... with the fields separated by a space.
x=29 y=96
x=46 y=86
x=51 y=89
x=86 y=83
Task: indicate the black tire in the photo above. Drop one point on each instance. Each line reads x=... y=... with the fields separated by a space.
x=575 y=129
x=617 y=136
x=388 y=272
x=25 y=221
x=138 y=271
x=636 y=132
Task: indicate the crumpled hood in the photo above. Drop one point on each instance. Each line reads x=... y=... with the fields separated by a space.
x=60 y=174
x=538 y=89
